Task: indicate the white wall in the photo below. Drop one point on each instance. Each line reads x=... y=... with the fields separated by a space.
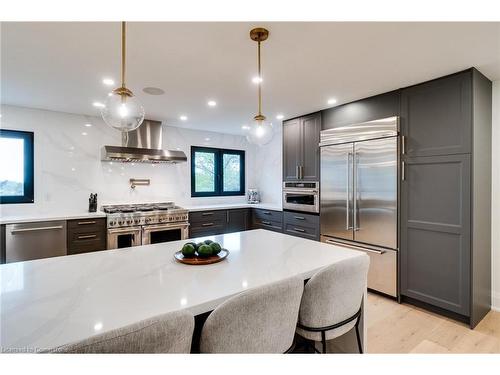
x=68 y=166
x=268 y=164
x=495 y=199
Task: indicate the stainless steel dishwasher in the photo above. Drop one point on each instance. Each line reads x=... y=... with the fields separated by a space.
x=28 y=241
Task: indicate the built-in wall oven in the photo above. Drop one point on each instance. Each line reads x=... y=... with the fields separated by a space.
x=301 y=196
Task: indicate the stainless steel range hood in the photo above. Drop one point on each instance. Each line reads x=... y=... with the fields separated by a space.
x=143 y=145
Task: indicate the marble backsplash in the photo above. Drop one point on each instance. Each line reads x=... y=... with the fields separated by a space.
x=68 y=166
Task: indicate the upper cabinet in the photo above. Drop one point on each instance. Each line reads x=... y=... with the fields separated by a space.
x=436 y=116
x=301 y=148
x=363 y=110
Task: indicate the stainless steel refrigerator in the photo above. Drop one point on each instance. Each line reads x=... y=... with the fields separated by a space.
x=359 y=194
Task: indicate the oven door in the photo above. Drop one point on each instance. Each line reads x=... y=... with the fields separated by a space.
x=119 y=238
x=305 y=200
x=158 y=233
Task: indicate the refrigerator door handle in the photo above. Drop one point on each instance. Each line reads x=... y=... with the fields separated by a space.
x=355 y=193
x=348 y=198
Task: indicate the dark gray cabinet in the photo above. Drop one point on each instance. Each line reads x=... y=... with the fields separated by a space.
x=291 y=149
x=301 y=225
x=436 y=116
x=445 y=243
x=363 y=110
x=267 y=219
x=86 y=235
x=213 y=222
x=435 y=236
x=237 y=220
x=300 y=148
x=207 y=223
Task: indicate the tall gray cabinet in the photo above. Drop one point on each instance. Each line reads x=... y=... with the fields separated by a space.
x=301 y=148
x=446 y=194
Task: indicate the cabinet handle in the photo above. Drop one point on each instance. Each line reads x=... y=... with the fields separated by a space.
x=14 y=231
x=403 y=145
x=266 y=222
x=299 y=217
x=297 y=172
x=403 y=171
x=299 y=230
x=87 y=236
x=301 y=172
x=86 y=222
x=207 y=224
x=207 y=213
x=266 y=213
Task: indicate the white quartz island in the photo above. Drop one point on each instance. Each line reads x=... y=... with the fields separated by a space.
x=50 y=302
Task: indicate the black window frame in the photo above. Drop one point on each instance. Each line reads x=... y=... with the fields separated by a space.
x=218 y=170
x=29 y=177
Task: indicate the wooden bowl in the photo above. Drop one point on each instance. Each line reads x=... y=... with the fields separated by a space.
x=199 y=261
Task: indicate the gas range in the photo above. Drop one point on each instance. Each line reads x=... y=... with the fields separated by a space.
x=144 y=214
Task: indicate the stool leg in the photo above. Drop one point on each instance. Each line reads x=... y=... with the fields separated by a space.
x=323 y=341
x=360 y=348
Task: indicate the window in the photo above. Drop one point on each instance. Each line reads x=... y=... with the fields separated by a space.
x=16 y=166
x=216 y=172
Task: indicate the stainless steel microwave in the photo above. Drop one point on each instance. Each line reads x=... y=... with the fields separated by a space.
x=301 y=196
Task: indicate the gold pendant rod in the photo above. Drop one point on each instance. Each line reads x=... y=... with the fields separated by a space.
x=124 y=47
x=260 y=80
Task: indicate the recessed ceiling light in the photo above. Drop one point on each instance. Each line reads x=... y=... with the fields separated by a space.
x=88 y=125
x=207 y=139
x=280 y=117
x=153 y=91
x=110 y=94
x=332 y=101
x=245 y=127
x=257 y=79
x=211 y=103
x=84 y=133
x=98 y=105
x=183 y=118
x=108 y=81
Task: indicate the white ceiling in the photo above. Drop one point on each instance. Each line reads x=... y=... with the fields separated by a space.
x=59 y=66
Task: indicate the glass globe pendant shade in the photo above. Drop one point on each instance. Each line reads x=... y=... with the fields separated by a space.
x=260 y=132
x=122 y=110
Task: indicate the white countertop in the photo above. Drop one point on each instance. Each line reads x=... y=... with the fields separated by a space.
x=50 y=302
x=34 y=217
x=228 y=206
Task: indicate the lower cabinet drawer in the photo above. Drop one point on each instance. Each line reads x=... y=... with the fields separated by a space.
x=207 y=216
x=86 y=242
x=206 y=231
x=259 y=223
x=301 y=219
x=301 y=231
x=268 y=215
x=86 y=225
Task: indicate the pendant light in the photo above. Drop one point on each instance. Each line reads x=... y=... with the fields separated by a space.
x=122 y=110
x=261 y=131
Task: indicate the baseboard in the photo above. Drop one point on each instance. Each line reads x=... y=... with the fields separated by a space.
x=495 y=301
x=435 y=309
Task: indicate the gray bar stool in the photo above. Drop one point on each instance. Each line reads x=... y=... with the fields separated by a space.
x=260 y=320
x=167 y=333
x=331 y=303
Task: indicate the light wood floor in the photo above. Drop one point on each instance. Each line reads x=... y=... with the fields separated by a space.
x=401 y=328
